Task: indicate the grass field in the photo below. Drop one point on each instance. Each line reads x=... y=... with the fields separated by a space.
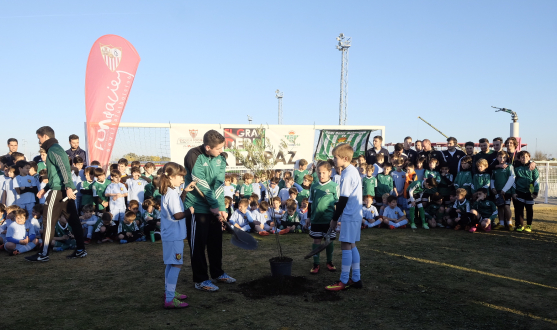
x=436 y=279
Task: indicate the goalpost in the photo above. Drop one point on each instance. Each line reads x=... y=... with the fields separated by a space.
x=149 y=142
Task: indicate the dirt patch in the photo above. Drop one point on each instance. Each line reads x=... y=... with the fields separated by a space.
x=326 y=296
x=270 y=286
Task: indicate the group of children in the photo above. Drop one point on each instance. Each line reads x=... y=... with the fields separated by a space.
x=122 y=207
x=410 y=194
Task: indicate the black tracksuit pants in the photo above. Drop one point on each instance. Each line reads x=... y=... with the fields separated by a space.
x=205 y=232
x=52 y=210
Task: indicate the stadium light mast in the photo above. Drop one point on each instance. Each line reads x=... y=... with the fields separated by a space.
x=279 y=95
x=249 y=119
x=514 y=124
x=343 y=45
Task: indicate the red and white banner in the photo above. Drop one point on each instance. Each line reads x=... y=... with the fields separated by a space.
x=109 y=77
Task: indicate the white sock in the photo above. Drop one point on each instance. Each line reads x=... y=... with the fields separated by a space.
x=376 y=223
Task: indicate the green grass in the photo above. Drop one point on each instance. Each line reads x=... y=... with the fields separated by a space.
x=505 y=280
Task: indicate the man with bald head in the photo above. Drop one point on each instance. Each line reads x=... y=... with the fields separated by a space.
x=429 y=153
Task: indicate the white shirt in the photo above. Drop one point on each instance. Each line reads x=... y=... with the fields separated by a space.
x=11 y=195
x=136 y=190
x=351 y=187
x=19 y=232
x=24 y=182
x=229 y=191
x=116 y=188
x=284 y=194
x=371 y=213
x=172 y=229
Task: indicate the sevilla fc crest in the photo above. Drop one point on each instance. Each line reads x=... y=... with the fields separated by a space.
x=112 y=56
x=193 y=133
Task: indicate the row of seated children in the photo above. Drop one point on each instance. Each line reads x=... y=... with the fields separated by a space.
x=262 y=218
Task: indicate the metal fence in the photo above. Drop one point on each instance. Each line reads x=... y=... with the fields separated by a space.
x=548 y=179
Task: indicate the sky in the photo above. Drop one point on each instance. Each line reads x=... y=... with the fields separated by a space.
x=219 y=61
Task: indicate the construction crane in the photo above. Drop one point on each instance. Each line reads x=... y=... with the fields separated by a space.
x=514 y=124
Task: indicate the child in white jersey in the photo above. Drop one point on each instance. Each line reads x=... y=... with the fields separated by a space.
x=25 y=186
x=116 y=192
x=370 y=215
x=173 y=229
x=136 y=187
x=20 y=235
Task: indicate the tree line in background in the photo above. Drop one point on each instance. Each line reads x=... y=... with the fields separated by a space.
x=142 y=158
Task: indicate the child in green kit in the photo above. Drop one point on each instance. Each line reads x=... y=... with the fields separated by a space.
x=385 y=182
x=99 y=187
x=369 y=182
x=481 y=179
x=523 y=197
x=502 y=180
x=323 y=197
x=306 y=185
x=464 y=177
x=302 y=172
x=435 y=211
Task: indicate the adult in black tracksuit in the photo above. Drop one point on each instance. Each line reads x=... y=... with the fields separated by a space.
x=60 y=185
x=429 y=153
x=371 y=153
x=206 y=166
x=452 y=156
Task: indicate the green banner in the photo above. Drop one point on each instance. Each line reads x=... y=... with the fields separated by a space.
x=329 y=139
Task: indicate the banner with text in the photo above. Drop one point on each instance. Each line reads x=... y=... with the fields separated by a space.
x=109 y=77
x=299 y=140
x=329 y=139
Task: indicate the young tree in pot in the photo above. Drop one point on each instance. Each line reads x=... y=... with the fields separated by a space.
x=260 y=156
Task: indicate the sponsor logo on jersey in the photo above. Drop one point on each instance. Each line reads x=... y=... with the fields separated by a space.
x=122 y=189
x=112 y=56
x=139 y=183
x=205 y=164
x=29 y=180
x=218 y=161
x=178 y=256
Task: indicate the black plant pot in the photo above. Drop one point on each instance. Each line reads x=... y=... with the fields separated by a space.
x=281 y=266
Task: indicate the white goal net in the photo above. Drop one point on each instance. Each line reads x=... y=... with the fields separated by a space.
x=142 y=143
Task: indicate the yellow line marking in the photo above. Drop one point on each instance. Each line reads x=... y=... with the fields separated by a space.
x=466 y=269
x=514 y=311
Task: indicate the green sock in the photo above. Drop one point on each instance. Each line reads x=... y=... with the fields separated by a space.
x=411 y=214
x=329 y=250
x=422 y=214
x=315 y=257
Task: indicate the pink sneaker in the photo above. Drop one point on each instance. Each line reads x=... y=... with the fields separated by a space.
x=175 y=303
x=472 y=230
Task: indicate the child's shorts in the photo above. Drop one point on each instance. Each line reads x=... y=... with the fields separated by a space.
x=402 y=203
x=118 y=215
x=350 y=231
x=25 y=248
x=318 y=230
x=173 y=252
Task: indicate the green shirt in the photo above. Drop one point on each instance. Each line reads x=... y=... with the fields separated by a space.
x=208 y=172
x=487 y=209
x=87 y=199
x=432 y=174
x=301 y=195
x=299 y=176
x=464 y=180
x=368 y=186
x=416 y=188
x=59 y=231
x=464 y=207
x=323 y=197
x=481 y=180
x=525 y=178
x=98 y=191
x=500 y=177
x=124 y=227
x=384 y=185
x=432 y=210
x=246 y=190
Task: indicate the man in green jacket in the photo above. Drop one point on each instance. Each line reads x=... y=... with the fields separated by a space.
x=206 y=166
x=61 y=197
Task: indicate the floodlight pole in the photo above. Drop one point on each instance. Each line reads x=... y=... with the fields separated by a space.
x=343 y=45
x=249 y=119
x=279 y=96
